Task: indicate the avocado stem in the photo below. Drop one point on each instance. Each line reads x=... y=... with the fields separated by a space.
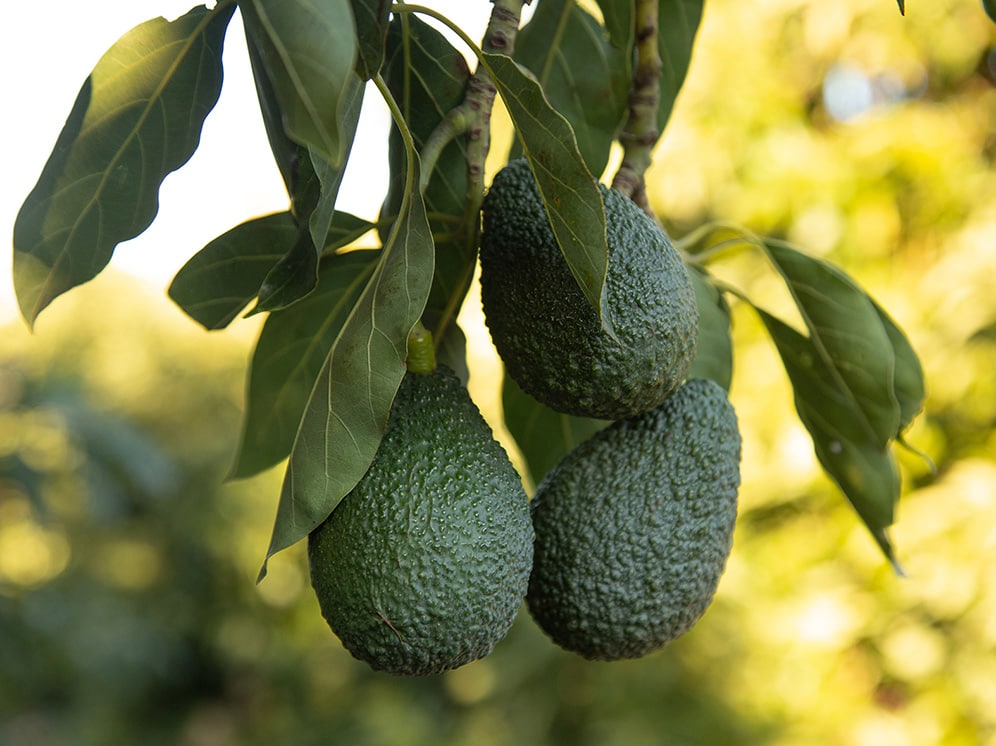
x=641 y=131
x=421 y=352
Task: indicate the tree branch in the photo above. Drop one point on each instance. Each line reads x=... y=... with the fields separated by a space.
x=641 y=132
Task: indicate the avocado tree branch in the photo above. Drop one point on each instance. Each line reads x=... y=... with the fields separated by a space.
x=472 y=118
x=641 y=131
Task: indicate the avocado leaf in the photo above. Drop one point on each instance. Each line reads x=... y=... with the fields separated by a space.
x=584 y=76
x=428 y=78
x=308 y=50
x=137 y=117
x=223 y=277
x=678 y=24
x=346 y=413
x=863 y=468
x=713 y=348
x=288 y=357
x=846 y=329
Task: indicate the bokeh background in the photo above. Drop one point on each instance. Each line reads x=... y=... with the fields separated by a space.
x=128 y=609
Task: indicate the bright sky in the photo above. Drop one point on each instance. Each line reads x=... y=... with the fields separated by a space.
x=50 y=48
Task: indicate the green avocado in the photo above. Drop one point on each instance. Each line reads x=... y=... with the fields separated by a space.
x=634 y=527
x=547 y=333
x=423 y=566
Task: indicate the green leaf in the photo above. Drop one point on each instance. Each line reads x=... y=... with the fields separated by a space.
x=585 y=77
x=296 y=274
x=222 y=278
x=289 y=354
x=990 y=7
x=543 y=435
x=619 y=17
x=908 y=382
x=570 y=193
x=330 y=176
x=862 y=467
x=678 y=23
x=847 y=330
x=137 y=117
x=371 y=28
x=428 y=77
x=347 y=410
x=308 y=49
x=714 y=348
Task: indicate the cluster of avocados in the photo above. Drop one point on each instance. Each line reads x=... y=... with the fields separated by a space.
x=424 y=564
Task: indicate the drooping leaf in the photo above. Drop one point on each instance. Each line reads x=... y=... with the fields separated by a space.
x=222 y=278
x=371 y=29
x=908 y=382
x=846 y=329
x=862 y=467
x=289 y=354
x=292 y=159
x=427 y=76
x=308 y=49
x=678 y=24
x=618 y=16
x=347 y=411
x=714 y=348
x=585 y=77
x=296 y=274
x=330 y=176
x=902 y=7
x=137 y=117
x=570 y=193
x=543 y=435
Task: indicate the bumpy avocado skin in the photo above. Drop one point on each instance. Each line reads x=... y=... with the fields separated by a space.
x=423 y=566
x=634 y=527
x=543 y=327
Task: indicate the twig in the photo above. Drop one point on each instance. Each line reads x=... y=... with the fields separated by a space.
x=641 y=132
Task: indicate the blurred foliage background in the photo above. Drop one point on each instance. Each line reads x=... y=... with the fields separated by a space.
x=128 y=612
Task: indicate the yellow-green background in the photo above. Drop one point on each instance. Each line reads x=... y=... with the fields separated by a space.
x=128 y=612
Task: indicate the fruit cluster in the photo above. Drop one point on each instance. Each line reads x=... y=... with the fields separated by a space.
x=424 y=565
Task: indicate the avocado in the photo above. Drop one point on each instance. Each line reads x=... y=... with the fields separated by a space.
x=634 y=527
x=548 y=335
x=423 y=566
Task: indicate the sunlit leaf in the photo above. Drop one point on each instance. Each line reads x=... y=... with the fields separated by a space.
x=847 y=331
x=543 y=436
x=678 y=23
x=289 y=354
x=137 y=117
x=586 y=78
x=222 y=278
x=347 y=410
x=427 y=76
x=862 y=467
x=570 y=193
x=371 y=28
x=714 y=348
x=308 y=48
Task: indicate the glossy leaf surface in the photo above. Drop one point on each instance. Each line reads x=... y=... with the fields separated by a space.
x=137 y=117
